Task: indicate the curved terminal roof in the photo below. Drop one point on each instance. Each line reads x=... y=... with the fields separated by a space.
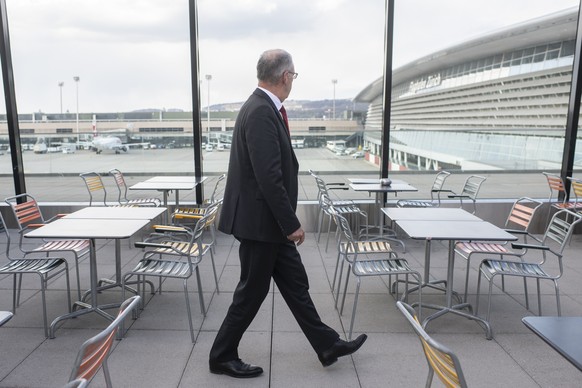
x=554 y=27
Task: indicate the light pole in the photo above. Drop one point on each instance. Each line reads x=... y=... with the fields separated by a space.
x=334 y=82
x=208 y=78
x=61 y=89
x=77 y=79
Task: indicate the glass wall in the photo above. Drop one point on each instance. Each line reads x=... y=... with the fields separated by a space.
x=106 y=84
x=476 y=89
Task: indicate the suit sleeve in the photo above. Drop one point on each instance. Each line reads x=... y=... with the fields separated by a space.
x=263 y=142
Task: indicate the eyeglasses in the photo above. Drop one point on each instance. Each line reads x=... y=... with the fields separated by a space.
x=293 y=75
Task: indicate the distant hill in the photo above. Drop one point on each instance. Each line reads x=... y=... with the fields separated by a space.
x=308 y=109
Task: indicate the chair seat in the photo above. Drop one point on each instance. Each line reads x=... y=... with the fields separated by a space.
x=183 y=248
x=379 y=267
x=367 y=247
x=567 y=205
x=411 y=203
x=190 y=213
x=345 y=209
x=145 y=201
x=64 y=245
x=516 y=268
x=42 y=266
x=481 y=247
x=168 y=268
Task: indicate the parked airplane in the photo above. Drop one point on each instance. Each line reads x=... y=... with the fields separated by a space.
x=111 y=142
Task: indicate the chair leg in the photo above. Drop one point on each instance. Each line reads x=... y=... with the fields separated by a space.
x=345 y=290
x=526 y=293
x=14 y=293
x=354 y=308
x=478 y=292
x=19 y=288
x=200 y=295
x=429 y=377
x=339 y=282
x=106 y=373
x=337 y=264
x=489 y=299
x=319 y=227
x=328 y=233
x=43 y=285
x=188 y=310
x=70 y=304
x=557 y=288
x=539 y=297
x=465 y=297
x=78 y=277
x=214 y=270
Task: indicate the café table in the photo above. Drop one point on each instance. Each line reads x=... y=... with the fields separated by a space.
x=167 y=183
x=564 y=334
x=429 y=214
x=397 y=186
x=92 y=230
x=452 y=231
x=116 y=213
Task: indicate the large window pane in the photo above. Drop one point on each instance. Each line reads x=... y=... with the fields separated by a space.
x=337 y=46
x=111 y=76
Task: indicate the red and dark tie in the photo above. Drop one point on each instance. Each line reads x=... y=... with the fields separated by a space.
x=284 y=114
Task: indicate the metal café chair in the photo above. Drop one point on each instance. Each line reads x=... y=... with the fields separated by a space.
x=190 y=215
x=45 y=268
x=576 y=185
x=437 y=188
x=94 y=352
x=345 y=207
x=518 y=223
x=440 y=359
x=175 y=252
x=557 y=188
x=470 y=190
x=122 y=192
x=552 y=244
x=356 y=253
x=29 y=216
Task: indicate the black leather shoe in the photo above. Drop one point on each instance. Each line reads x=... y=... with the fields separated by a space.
x=341 y=348
x=235 y=368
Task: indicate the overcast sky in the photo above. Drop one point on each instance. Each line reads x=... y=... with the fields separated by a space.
x=134 y=54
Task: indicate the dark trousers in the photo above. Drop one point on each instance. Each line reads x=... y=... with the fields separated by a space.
x=259 y=262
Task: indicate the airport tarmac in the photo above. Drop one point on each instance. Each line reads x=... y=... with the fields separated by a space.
x=164 y=161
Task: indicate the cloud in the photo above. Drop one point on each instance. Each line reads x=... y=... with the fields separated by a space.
x=133 y=54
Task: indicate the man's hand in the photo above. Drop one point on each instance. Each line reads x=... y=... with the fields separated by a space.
x=297 y=237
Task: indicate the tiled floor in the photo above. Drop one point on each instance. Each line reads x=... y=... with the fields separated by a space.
x=157 y=351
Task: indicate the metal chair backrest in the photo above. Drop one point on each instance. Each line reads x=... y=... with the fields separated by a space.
x=441 y=360
x=438 y=184
x=560 y=229
x=216 y=186
x=94 y=352
x=121 y=186
x=4 y=229
x=472 y=185
x=25 y=210
x=522 y=212
x=577 y=190
x=94 y=184
x=556 y=185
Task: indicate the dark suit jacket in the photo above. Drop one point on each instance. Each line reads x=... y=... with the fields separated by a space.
x=260 y=197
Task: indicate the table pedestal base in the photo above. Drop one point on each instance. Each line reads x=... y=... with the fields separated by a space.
x=457 y=310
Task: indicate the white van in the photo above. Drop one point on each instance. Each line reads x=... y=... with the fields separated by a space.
x=220 y=147
x=209 y=147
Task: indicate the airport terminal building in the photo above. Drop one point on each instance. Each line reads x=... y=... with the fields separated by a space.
x=498 y=101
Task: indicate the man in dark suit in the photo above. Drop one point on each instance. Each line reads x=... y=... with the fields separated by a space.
x=259 y=206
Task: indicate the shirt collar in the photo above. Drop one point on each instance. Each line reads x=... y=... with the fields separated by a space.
x=275 y=99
